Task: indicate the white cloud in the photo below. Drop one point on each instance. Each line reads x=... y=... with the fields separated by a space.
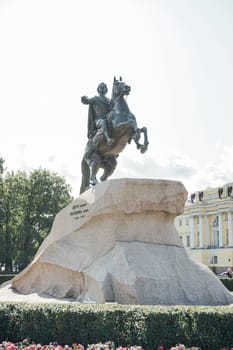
x=167 y=165
x=194 y=175
x=215 y=173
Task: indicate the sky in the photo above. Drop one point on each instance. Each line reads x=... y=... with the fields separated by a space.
x=177 y=56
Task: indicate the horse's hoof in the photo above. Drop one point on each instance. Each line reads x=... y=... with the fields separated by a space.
x=93 y=181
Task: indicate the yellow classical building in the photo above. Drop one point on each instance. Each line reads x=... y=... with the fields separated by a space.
x=206 y=227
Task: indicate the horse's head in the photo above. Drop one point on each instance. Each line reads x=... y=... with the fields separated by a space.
x=120 y=88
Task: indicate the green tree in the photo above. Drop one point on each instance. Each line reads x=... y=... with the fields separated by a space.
x=27 y=210
x=45 y=194
x=13 y=196
x=2 y=161
x=1 y=211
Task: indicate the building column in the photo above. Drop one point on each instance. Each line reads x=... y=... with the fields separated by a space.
x=200 y=232
x=192 y=235
x=220 y=230
x=230 y=236
x=207 y=231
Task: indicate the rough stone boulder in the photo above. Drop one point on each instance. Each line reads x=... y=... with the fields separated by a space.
x=117 y=243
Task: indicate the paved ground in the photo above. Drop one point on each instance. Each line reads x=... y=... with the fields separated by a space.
x=9 y=294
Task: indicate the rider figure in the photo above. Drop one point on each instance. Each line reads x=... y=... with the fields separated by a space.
x=99 y=107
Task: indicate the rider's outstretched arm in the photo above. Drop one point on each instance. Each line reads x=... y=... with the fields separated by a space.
x=87 y=101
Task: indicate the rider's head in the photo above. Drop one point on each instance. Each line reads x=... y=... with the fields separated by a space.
x=102 y=88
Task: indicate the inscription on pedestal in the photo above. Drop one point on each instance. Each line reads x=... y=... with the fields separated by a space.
x=79 y=211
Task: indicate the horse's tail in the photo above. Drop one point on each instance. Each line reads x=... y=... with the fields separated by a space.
x=85 y=175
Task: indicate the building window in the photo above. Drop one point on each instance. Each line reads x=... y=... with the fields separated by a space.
x=217 y=241
x=180 y=222
x=227 y=237
x=215 y=222
x=187 y=221
x=187 y=241
x=198 y=239
x=181 y=238
x=213 y=259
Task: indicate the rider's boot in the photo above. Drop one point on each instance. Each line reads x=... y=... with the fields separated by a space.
x=110 y=140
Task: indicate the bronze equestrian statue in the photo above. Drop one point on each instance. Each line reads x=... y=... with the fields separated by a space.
x=111 y=125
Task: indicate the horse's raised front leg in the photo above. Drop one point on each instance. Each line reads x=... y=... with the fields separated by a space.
x=146 y=142
x=142 y=147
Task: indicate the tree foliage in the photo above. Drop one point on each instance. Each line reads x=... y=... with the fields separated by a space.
x=28 y=205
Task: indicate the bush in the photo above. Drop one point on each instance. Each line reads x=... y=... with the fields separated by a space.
x=149 y=326
x=6 y=277
x=228 y=283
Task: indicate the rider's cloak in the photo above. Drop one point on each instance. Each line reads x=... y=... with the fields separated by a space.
x=105 y=106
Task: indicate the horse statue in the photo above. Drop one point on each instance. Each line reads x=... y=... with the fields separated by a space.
x=122 y=128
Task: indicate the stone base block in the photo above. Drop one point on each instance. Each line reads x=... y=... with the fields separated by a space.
x=117 y=243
